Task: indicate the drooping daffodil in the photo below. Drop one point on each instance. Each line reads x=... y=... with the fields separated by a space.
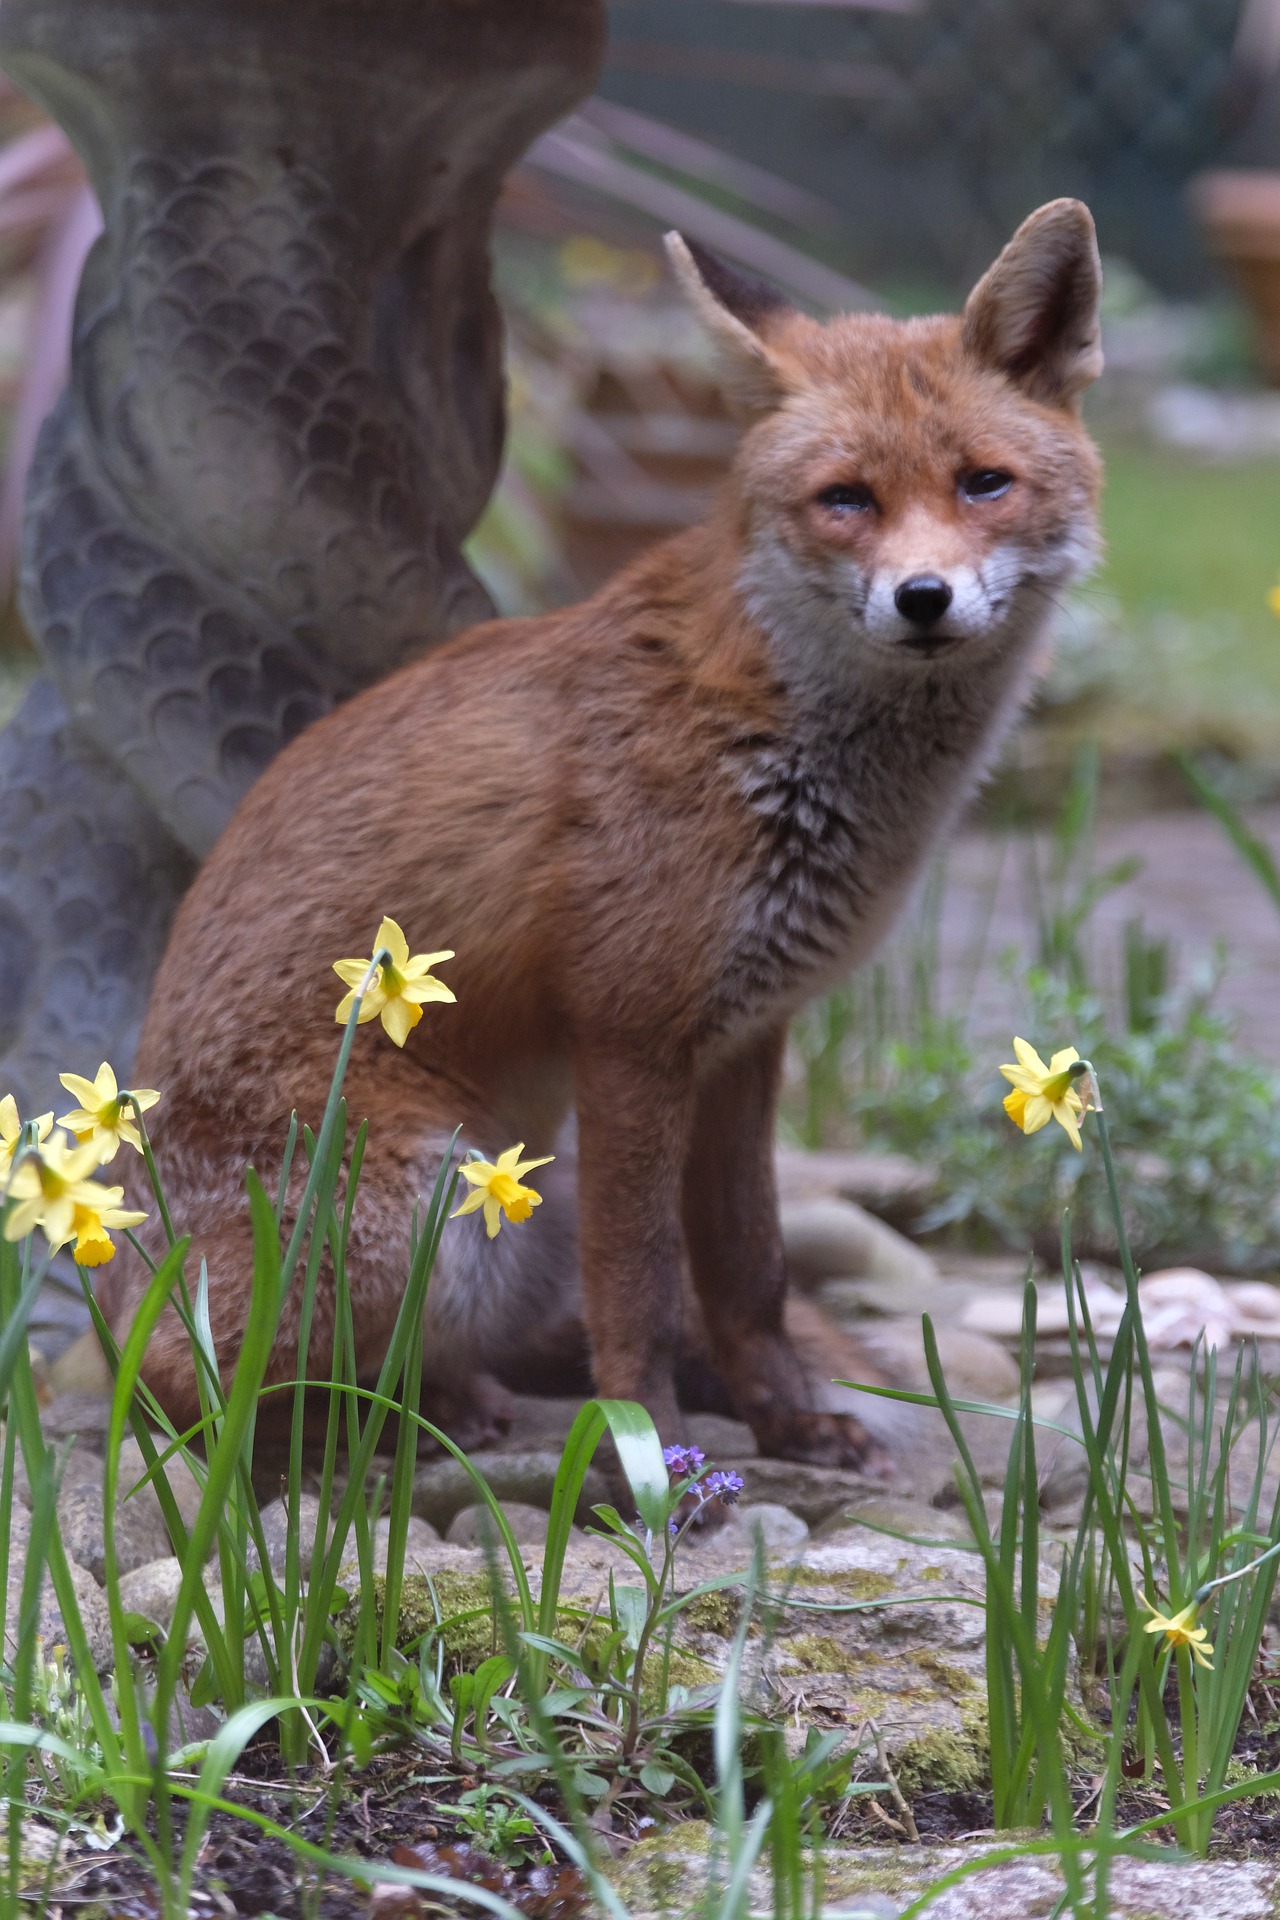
x=89 y=1226
x=497 y=1188
x=1180 y=1630
x=53 y=1191
x=11 y=1132
x=400 y=988
x=105 y=1115
x=1042 y=1093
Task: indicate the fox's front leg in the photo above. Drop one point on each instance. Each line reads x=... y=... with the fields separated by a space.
x=730 y=1209
x=633 y=1131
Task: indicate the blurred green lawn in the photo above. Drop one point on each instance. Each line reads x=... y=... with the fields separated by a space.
x=1192 y=550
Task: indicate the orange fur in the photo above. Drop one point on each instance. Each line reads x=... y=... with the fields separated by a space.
x=651 y=826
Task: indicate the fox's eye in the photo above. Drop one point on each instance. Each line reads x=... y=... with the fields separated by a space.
x=847 y=497
x=988 y=483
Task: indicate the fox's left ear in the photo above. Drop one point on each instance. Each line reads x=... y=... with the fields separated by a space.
x=1034 y=314
x=733 y=309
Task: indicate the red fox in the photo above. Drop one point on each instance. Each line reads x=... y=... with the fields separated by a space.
x=652 y=827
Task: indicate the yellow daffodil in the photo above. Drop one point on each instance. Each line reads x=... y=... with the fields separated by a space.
x=399 y=989
x=11 y=1132
x=1041 y=1093
x=1180 y=1630
x=50 y=1185
x=93 y=1244
x=1273 y=599
x=498 y=1189
x=105 y=1115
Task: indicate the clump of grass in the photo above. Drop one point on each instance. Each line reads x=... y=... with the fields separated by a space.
x=1195 y=1122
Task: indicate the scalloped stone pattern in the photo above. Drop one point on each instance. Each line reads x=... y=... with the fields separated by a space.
x=283 y=418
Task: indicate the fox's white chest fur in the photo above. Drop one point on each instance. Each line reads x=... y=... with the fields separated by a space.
x=846 y=807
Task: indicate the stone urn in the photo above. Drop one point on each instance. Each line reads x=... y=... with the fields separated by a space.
x=1239 y=213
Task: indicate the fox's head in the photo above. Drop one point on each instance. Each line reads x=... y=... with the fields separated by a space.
x=913 y=493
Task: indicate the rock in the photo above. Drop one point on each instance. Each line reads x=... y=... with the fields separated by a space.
x=90 y=1603
x=275 y=1533
x=719 y=1437
x=182 y=1482
x=422 y=1544
x=140 y=1534
x=443 y=1488
x=815 y=1493
x=672 y=1872
x=474 y=1525
x=152 y=1590
x=780 y=1529
x=895 y=1514
x=834 y=1239
x=81 y=1368
x=886 y=1184
x=973 y=1366
x=86 y=1416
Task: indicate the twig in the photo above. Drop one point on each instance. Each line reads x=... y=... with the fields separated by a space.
x=895 y=1791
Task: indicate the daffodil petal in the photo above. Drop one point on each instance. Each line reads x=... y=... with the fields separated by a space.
x=390 y=937
x=1029 y=1058
x=399 y=1018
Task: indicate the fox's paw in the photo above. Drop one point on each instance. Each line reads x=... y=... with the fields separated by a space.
x=823 y=1440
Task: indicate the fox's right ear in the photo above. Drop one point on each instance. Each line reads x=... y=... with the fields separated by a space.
x=732 y=308
x=1034 y=314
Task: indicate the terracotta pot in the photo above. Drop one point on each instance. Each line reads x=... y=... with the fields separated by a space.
x=1240 y=215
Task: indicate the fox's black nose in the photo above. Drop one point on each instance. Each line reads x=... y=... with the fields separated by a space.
x=922 y=599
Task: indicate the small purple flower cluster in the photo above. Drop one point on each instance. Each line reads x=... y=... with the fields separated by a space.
x=689 y=1462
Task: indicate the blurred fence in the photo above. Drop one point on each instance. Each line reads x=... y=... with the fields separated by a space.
x=934 y=125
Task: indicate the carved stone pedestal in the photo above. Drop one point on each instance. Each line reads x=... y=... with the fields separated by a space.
x=285 y=414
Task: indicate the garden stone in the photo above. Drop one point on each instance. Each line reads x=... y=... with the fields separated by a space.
x=670 y=1873
x=442 y=1488
x=81 y=1368
x=889 y=1185
x=975 y=1367
x=422 y=1544
x=182 y=1482
x=152 y=1590
x=719 y=1437
x=834 y=1239
x=815 y=1493
x=84 y=1415
x=474 y=1525
x=275 y=1533
x=895 y=1514
x=79 y=1468
x=91 y=1604
x=780 y=1529
x=140 y=1533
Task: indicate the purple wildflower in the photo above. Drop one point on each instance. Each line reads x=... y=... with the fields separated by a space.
x=684 y=1460
x=723 y=1486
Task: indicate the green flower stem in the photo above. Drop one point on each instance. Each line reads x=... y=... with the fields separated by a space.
x=1155 y=1432
x=153 y=1175
x=319 y=1158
